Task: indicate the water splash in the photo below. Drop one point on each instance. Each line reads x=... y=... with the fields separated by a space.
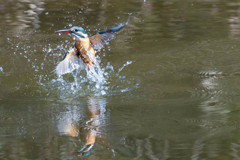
x=83 y=81
x=96 y=80
x=102 y=79
x=1 y=70
x=126 y=64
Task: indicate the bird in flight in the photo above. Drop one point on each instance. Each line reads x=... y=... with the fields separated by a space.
x=84 y=47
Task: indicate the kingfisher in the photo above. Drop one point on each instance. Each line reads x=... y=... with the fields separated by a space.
x=84 y=47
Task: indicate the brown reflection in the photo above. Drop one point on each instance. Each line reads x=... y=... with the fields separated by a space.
x=92 y=125
x=88 y=131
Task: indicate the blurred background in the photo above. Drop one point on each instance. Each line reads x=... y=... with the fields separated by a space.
x=171 y=80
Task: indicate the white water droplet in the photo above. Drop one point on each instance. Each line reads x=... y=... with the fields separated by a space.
x=1 y=70
x=103 y=92
x=127 y=63
x=97 y=86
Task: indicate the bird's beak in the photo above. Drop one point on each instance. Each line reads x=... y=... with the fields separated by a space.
x=64 y=31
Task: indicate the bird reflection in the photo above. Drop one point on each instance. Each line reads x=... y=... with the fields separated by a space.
x=74 y=124
x=95 y=107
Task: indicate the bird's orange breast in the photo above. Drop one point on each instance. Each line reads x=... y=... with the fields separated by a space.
x=85 y=50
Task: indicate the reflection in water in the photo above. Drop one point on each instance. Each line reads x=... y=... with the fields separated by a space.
x=235 y=148
x=210 y=84
x=22 y=13
x=68 y=123
x=234 y=21
x=234 y=27
x=211 y=107
x=197 y=149
x=145 y=146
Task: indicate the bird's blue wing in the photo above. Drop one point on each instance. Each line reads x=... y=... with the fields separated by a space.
x=101 y=38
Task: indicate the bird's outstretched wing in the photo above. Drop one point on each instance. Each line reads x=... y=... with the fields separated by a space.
x=69 y=63
x=101 y=38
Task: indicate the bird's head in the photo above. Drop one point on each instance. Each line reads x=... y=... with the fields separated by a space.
x=78 y=31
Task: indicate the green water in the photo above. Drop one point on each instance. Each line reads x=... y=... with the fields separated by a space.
x=172 y=80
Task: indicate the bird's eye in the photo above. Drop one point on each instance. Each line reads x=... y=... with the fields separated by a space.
x=76 y=30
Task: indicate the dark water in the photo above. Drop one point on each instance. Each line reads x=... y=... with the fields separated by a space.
x=171 y=80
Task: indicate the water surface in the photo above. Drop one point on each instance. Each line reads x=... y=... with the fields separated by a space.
x=170 y=90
